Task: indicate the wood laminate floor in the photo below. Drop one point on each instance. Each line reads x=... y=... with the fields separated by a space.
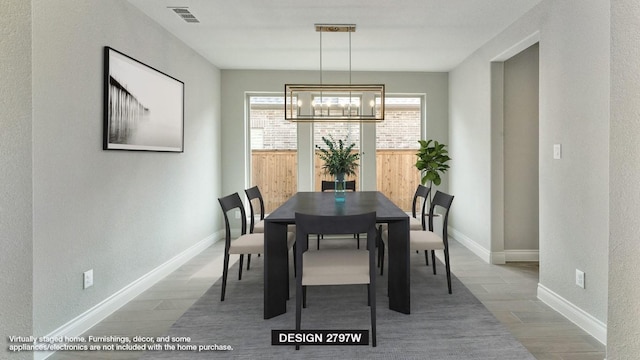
x=508 y=291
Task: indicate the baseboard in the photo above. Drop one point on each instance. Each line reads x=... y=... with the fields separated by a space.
x=498 y=258
x=493 y=257
x=584 y=320
x=521 y=255
x=470 y=244
x=108 y=306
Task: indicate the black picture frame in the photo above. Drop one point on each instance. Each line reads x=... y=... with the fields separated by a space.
x=143 y=107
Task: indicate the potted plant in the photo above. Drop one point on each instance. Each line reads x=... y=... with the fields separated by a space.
x=338 y=158
x=339 y=161
x=432 y=161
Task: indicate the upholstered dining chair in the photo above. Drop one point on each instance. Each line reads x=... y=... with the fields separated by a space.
x=255 y=225
x=415 y=222
x=246 y=243
x=419 y=197
x=427 y=240
x=331 y=185
x=335 y=266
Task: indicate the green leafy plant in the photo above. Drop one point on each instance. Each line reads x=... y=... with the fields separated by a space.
x=338 y=158
x=432 y=161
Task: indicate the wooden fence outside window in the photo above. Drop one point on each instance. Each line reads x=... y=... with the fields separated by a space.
x=275 y=172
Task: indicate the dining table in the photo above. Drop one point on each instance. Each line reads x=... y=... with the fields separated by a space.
x=276 y=264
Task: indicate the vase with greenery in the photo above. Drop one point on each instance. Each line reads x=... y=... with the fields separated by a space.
x=339 y=161
x=432 y=161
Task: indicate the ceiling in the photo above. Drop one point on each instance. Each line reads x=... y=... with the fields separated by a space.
x=399 y=35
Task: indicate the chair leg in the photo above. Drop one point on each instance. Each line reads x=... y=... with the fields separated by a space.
x=318 y=243
x=241 y=261
x=382 y=258
x=382 y=261
x=287 y=284
x=299 y=289
x=433 y=260
x=295 y=267
x=368 y=294
x=380 y=245
x=248 y=261
x=304 y=297
x=225 y=270
x=446 y=264
x=358 y=237
x=372 y=296
x=426 y=257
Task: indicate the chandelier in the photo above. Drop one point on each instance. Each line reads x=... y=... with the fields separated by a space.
x=334 y=102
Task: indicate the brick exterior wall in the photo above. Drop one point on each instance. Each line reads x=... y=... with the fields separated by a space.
x=399 y=130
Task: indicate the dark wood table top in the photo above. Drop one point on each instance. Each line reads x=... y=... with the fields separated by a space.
x=324 y=203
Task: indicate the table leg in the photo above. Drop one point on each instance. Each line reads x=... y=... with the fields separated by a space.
x=276 y=272
x=398 y=269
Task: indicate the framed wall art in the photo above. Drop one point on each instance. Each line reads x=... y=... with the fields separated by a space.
x=143 y=107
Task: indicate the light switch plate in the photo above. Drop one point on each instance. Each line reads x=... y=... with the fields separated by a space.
x=88 y=279
x=580 y=278
x=557 y=151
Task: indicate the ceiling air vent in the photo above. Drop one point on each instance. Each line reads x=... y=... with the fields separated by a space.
x=184 y=13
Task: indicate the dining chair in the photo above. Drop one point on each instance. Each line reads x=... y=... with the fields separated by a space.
x=420 y=196
x=331 y=185
x=253 y=194
x=415 y=222
x=246 y=243
x=335 y=266
x=427 y=240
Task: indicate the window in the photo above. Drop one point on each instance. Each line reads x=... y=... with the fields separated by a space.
x=273 y=150
x=396 y=146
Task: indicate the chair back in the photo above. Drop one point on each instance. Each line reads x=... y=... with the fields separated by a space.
x=444 y=201
x=336 y=225
x=331 y=185
x=252 y=194
x=421 y=192
x=229 y=203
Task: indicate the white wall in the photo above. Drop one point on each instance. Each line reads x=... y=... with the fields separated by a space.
x=235 y=83
x=574 y=111
x=521 y=153
x=119 y=213
x=16 y=241
x=474 y=180
x=623 y=336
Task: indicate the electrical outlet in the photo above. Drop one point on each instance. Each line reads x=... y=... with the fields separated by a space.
x=580 y=278
x=88 y=278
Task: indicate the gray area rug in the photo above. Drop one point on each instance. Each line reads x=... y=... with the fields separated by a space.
x=440 y=326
